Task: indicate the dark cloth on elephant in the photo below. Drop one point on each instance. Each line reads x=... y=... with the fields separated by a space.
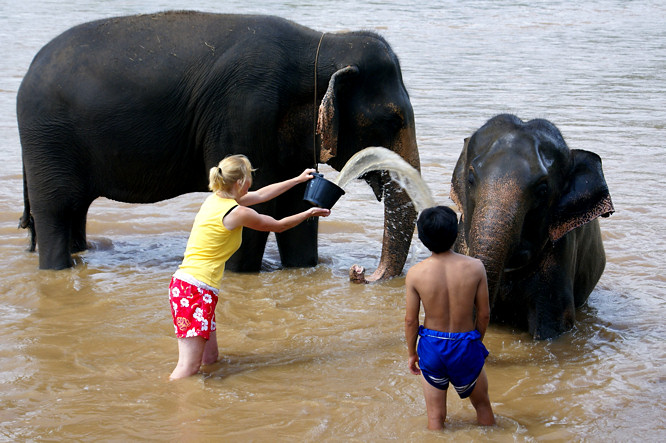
x=456 y=357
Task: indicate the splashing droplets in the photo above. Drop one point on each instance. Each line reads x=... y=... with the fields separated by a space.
x=382 y=159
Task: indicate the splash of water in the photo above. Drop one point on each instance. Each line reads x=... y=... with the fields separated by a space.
x=382 y=159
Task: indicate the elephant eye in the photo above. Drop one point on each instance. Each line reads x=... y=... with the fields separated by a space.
x=542 y=191
x=471 y=179
x=395 y=121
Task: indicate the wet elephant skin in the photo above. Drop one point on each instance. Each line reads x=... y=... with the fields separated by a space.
x=138 y=108
x=529 y=207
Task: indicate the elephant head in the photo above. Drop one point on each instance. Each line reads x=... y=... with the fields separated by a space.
x=520 y=190
x=366 y=104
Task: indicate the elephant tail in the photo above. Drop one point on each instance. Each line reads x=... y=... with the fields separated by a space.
x=27 y=221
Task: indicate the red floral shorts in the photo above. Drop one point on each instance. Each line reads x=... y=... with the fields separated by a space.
x=192 y=308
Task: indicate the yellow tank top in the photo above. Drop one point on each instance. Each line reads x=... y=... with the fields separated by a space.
x=211 y=244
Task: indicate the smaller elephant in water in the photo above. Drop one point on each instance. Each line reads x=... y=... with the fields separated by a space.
x=529 y=207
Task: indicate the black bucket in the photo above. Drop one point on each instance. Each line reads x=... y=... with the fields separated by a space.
x=321 y=192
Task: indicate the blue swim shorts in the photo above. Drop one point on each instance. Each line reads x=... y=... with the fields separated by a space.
x=457 y=357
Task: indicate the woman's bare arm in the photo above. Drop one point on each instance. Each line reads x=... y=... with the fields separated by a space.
x=271 y=191
x=248 y=217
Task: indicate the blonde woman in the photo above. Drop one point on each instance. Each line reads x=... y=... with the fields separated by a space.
x=215 y=236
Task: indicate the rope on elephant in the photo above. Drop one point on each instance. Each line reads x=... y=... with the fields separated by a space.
x=314 y=132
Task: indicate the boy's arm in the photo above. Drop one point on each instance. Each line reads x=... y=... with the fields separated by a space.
x=412 y=307
x=482 y=303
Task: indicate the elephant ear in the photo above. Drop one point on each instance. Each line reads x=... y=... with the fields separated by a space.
x=585 y=198
x=459 y=179
x=328 y=120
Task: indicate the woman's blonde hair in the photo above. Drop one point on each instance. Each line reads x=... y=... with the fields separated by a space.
x=233 y=168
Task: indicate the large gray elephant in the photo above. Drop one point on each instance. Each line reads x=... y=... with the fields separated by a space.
x=529 y=209
x=137 y=108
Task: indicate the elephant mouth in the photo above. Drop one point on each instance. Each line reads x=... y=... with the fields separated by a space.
x=376 y=180
x=517 y=262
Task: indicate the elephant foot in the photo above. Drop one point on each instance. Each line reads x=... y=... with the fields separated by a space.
x=357 y=274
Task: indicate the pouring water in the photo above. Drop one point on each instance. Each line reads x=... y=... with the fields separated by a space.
x=405 y=175
x=378 y=158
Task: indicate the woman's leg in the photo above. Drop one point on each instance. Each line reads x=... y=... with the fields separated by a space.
x=190 y=353
x=210 y=353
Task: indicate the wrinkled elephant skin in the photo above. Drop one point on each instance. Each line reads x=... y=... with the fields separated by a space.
x=138 y=108
x=529 y=207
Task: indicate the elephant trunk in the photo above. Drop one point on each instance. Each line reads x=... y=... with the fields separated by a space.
x=399 y=221
x=494 y=227
x=399 y=218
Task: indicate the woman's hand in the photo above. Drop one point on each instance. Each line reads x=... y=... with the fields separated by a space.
x=318 y=212
x=306 y=175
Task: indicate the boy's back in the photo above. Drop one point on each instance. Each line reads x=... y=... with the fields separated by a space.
x=449 y=285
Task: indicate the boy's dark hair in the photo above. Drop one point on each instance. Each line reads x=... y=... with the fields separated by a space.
x=438 y=228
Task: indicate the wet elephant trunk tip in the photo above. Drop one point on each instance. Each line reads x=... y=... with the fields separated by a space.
x=357 y=274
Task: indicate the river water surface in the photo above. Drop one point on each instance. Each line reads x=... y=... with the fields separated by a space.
x=306 y=355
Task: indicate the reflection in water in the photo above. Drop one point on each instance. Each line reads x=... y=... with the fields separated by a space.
x=306 y=355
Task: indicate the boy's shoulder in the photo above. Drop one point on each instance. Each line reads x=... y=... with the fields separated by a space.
x=453 y=259
x=468 y=263
x=415 y=269
x=457 y=256
x=424 y=266
x=467 y=258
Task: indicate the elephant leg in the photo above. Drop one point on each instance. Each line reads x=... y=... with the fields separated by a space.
x=78 y=230
x=566 y=277
x=53 y=238
x=551 y=311
x=251 y=253
x=298 y=246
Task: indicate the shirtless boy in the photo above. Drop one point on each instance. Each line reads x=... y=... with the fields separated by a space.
x=450 y=347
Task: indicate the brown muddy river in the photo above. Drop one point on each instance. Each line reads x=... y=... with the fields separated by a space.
x=306 y=355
